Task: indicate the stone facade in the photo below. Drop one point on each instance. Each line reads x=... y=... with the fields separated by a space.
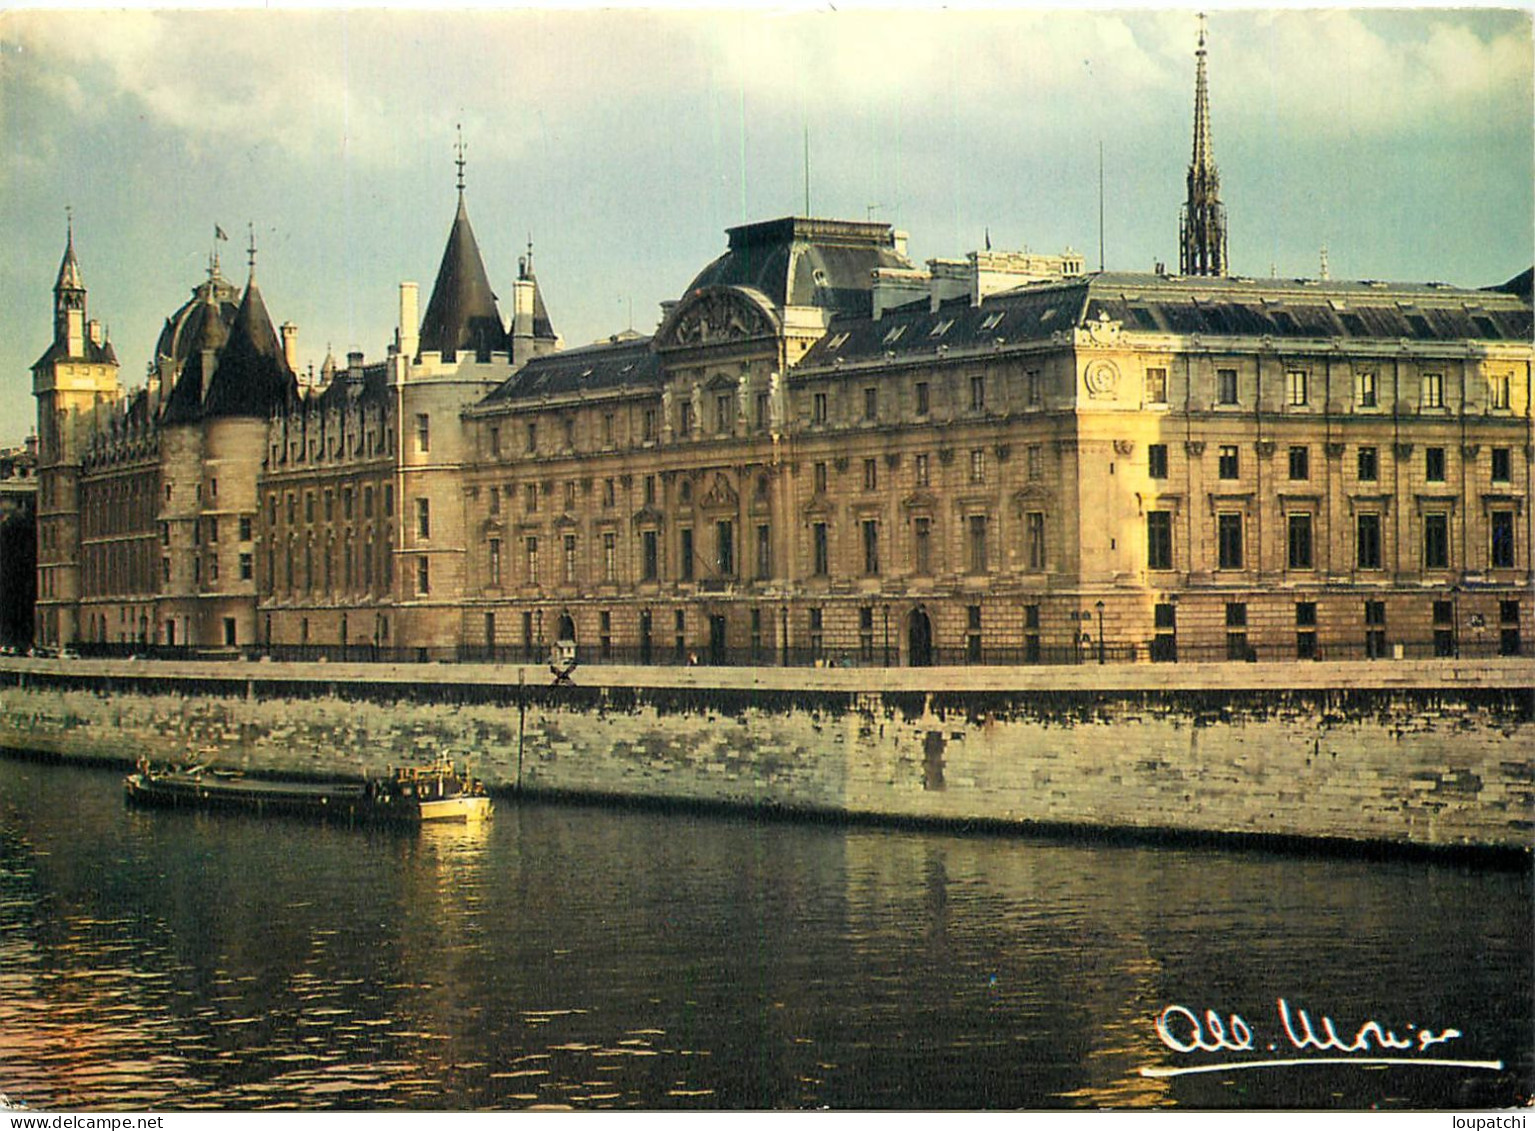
x=825 y=453
x=1411 y=754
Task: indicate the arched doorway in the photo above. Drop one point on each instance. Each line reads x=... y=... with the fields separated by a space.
x=566 y=629
x=919 y=639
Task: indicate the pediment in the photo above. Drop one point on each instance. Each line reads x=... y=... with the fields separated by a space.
x=920 y=501
x=720 y=495
x=715 y=315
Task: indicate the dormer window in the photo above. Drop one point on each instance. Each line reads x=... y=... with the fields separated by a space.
x=893 y=335
x=941 y=328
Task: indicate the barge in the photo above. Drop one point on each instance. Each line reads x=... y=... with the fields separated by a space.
x=407 y=795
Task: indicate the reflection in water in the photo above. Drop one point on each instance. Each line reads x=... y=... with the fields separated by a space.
x=585 y=958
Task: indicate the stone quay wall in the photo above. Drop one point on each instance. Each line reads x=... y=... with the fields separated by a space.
x=1427 y=754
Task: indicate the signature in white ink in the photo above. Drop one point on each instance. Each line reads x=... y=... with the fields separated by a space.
x=1305 y=1036
x=1184 y=1030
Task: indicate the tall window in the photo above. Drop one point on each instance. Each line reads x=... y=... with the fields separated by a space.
x=1156 y=461
x=685 y=570
x=423 y=434
x=1300 y=541
x=1034 y=387
x=1159 y=540
x=1502 y=544
x=1305 y=630
x=1226 y=386
x=1365 y=395
x=1230 y=462
x=570 y=559
x=495 y=442
x=650 y=555
x=1497 y=390
x=1156 y=386
x=922 y=475
x=870 y=546
x=1236 y=630
x=978 y=465
x=530 y=498
x=1436 y=541
x=1433 y=390
x=724 y=413
x=1369 y=465
x=424 y=518
x=685 y=418
x=871 y=475
x=818 y=410
x=648 y=426
x=820 y=478
x=609 y=557
x=871 y=403
x=532 y=437
x=922 y=538
x=924 y=404
x=423 y=574
x=1297 y=387
x=608 y=429
x=819 y=550
x=725 y=548
x=973 y=634
x=1375 y=629
x=976 y=524
x=1034 y=538
x=495 y=501
x=1229 y=541
x=977 y=393
x=530 y=549
x=764 y=551
x=1300 y=463
x=1367 y=541
x=1500 y=467
x=493 y=572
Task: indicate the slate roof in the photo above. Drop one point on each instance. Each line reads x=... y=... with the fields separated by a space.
x=183 y=329
x=252 y=377
x=587 y=369
x=103 y=354
x=462 y=312
x=798 y=261
x=185 y=402
x=1209 y=307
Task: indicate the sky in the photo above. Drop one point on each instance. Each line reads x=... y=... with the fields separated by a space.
x=623 y=143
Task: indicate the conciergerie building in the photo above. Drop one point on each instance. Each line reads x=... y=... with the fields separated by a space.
x=825 y=453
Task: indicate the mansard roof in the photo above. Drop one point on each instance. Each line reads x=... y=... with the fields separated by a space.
x=252 y=377
x=462 y=312
x=802 y=261
x=1186 y=306
x=587 y=369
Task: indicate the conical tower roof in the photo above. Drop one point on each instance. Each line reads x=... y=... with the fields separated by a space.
x=462 y=313
x=252 y=377
x=70 y=278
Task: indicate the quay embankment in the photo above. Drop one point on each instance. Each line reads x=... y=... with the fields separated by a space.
x=1434 y=756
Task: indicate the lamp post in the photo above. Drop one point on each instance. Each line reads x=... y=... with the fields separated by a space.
x=1099 y=607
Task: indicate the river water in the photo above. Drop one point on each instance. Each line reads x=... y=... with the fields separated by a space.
x=594 y=958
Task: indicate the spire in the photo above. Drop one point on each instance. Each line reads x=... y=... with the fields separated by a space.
x=251 y=253
x=69 y=268
x=1202 y=235
x=459 y=160
x=462 y=312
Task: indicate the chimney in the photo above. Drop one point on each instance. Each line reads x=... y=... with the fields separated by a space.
x=408 y=333
x=354 y=365
x=290 y=346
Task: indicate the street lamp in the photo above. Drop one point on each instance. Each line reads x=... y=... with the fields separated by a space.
x=1100 y=631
